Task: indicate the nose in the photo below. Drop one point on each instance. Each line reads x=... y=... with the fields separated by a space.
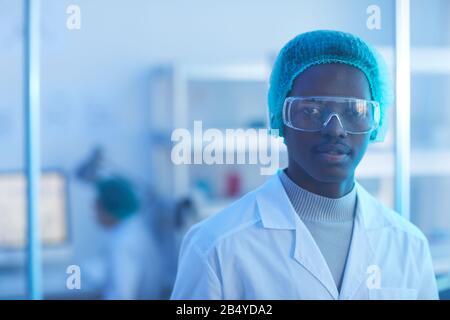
x=333 y=127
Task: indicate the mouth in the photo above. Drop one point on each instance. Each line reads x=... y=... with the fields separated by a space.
x=333 y=153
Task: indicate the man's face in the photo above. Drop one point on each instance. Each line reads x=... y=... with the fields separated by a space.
x=306 y=149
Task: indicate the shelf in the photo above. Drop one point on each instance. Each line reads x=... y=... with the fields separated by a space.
x=236 y=72
x=423 y=163
x=430 y=60
x=430 y=162
x=423 y=59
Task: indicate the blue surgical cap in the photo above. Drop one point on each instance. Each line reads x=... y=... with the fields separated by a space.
x=322 y=47
x=117 y=197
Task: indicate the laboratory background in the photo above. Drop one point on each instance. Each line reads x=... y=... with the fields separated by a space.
x=92 y=90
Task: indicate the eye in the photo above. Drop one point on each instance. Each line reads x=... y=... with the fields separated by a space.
x=312 y=111
x=359 y=111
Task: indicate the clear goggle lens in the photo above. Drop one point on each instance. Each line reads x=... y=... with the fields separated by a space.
x=312 y=114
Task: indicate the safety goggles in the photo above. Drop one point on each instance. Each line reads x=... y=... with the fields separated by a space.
x=312 y=114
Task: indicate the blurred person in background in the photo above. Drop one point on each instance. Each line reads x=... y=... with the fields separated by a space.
x=129 y=266
x=131 y=258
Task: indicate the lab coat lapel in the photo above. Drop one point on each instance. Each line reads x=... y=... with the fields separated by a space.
x=308 y=254
x=276 y=212
x=361 y=254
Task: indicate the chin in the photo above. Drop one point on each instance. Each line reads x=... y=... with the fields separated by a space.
x=331 y=175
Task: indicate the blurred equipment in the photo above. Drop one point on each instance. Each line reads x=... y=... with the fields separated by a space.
x=233 y=185
x=89 y=170
x=53 y=210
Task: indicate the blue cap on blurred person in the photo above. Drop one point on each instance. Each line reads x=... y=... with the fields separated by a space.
x=322 y=47
x=117 y=197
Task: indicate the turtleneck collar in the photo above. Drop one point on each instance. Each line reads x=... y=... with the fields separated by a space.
x=313 y=207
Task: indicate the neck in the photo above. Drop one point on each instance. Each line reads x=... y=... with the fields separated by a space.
x=333 y=189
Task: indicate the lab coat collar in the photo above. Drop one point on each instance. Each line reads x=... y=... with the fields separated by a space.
x=276 y=212
x=368 y=218
x=274 y=207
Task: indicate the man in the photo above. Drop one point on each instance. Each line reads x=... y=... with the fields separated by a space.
x=311 y=231
x=130 y=265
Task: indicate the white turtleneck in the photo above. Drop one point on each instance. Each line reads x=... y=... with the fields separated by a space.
x=330 y=222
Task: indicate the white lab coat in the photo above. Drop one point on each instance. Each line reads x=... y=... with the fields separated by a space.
x=258 y=248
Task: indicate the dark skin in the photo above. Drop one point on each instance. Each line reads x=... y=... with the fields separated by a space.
x=104 y=218
x=306 y=167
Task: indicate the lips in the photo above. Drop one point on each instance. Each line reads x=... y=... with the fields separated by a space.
x=333 y=148
x=333 y=153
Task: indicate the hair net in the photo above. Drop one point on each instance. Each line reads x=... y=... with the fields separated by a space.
x=117 y=197
x=321 y=47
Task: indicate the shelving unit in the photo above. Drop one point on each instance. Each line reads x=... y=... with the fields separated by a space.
x=171 y=87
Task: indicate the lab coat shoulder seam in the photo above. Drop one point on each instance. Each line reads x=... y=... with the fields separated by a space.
x=394 y=220
x=400 y=224
x=223 y=237
x=234 y=231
